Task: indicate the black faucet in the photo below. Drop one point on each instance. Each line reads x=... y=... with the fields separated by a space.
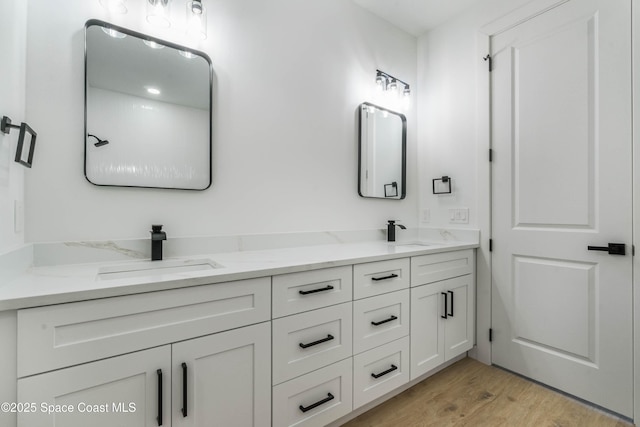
x=391 y=230
x=157 y=236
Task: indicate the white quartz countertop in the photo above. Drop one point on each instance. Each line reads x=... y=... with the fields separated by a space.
x=75 y=282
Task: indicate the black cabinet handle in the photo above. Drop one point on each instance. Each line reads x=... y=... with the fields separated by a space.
x=318 y=403
x=159 y=418
x=311 y=344
x=391 y=276
x=390 y=319
x=381 y=374
x=451 y=313
x=611 y=248
x=184 y=390
x=313 y=291
x=446 y=304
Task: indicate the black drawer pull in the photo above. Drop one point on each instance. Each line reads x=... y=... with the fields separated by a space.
x=184 y=390
x=381 y=374
x=611 y=248
x=313 y=291
x=318 y=403
x=159 y=417
x=451 y=312
x=390 y=319
x=311 y=344
x=445 y=305
x=391 y=276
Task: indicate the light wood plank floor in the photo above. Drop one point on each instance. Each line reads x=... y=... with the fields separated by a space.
x=470 y=393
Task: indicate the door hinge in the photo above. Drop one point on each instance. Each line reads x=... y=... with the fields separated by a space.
x=490 y=154
x=490 y=60
x=490 y=334
x=490 y=245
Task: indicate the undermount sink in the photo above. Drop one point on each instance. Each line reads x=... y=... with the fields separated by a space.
x=413 y=244
x=155 y=268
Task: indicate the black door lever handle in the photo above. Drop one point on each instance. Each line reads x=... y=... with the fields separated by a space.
x=611 y=248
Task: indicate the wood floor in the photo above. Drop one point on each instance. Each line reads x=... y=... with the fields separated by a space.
x=470 y=393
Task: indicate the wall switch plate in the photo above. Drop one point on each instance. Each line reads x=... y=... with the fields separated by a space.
x=18 y=216
x=426 y=215
x=459 y=216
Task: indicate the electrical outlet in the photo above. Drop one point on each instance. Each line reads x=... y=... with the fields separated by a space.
x=426 y=215
x=18 y=216
x=459 y=216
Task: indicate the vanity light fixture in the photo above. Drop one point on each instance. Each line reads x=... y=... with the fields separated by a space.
x=26 y=133
x=196 y=20
x=158 y=13
x=389 y=83
x=118 y=7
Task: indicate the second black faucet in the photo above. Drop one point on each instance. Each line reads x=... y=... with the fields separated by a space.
x=157 y=236
x=391 y=230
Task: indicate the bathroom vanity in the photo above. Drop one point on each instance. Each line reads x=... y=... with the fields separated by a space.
x=280 y=337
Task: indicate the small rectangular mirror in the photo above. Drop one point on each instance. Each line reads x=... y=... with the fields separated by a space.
x=147 y=111
x=382 y=153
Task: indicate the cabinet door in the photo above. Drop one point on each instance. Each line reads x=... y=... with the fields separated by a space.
x=458 y=326
x=427 y=331
x=225 y=379
x=124 y=391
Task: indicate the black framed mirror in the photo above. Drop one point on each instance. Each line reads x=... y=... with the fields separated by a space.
x=382 y=159
x=148 y=109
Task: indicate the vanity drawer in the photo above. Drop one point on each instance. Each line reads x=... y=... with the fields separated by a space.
x=375 y=278
x=435 y=267
x=62 y=335
x=314 y=399
x=378 y=320
x=379 y=371
x=308 y=290
x=311 y=340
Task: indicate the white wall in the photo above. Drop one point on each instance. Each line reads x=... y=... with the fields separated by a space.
x=448 y=65
x=12 y=92
x=288 y=77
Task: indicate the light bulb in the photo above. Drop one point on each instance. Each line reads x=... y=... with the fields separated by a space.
x=153 y=45
x=393 y=86
x=186 y=54
x=380 y=82
x=196 y=20
x=113 y=33
x=158 y=13
x=115 y=6
x=153 y=91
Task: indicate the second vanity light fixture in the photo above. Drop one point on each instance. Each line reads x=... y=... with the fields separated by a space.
x=159 y=14
x=387 y=82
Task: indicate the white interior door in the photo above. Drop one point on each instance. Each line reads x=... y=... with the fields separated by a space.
x=561 y=181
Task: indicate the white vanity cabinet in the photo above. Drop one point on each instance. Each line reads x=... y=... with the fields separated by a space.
x=442 y=308
x=312 y=349
x=380 y=328
x=303 y=349
x=219 y=379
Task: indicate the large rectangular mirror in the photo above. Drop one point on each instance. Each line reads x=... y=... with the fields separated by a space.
x=147 y=111
x=383 y=152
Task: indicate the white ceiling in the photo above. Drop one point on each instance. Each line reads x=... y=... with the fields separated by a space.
x=417 y=16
